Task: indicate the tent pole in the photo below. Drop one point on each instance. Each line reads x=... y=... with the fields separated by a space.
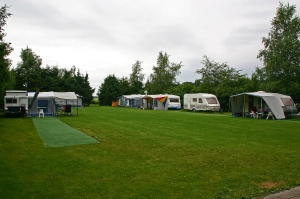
x=229 y=105
x=77 y=106
x=54 y=107
x=261 y=104
x=153 y=103
x=244 y=105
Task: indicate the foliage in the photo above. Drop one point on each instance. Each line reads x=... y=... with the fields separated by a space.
x=136 y=78
x=94 y=101
x=222 y=80
x=52 y=79
x=163 y=76
x=109 y=90
x=30 y=76
x=213 y=73
x=125 y=84
x=28 y=71
x=70 y=81
x=181 y=89
x=5 y=50
x=140 y=155
x=281 y=52
x=82 y=87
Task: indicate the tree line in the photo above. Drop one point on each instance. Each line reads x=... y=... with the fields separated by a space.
x=280 y=72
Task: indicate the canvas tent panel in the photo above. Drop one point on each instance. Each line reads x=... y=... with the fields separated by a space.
x=47 y=104
x=133 y=101
x=273 y=102
x=62 y=98
x=246 y=109
x=54 y=99
x=237 y=103
x=159 y=102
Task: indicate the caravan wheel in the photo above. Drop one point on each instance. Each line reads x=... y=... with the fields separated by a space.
x=194 y=110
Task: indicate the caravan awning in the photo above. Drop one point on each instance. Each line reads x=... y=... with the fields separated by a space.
x=161 y=98
x=274 y=104
x=271 y=99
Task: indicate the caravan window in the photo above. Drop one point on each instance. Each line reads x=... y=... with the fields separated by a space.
x=211 y=100
x=194 y=99
x=287 y=101
x=200 y=100
x=11 y=100
x=155 y=103
x=174 y=100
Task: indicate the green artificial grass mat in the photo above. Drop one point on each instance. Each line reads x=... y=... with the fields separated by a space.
x=55 y=133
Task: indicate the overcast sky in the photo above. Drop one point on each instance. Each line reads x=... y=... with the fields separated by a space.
x=103 y=37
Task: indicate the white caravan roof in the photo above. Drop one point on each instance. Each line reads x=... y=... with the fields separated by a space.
x=56 y=95
x=202 y=94
x=15 y=93
x=154 y=96
x=133 y=96
x=65 y=95
x=42 y=94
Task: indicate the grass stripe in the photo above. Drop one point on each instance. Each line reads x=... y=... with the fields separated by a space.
x=55 y=133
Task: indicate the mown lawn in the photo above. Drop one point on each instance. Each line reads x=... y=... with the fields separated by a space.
x=152 y=154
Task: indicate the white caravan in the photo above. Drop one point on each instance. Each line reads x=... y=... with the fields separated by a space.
x=15 y=102
x=174 y=102
x=201 y=102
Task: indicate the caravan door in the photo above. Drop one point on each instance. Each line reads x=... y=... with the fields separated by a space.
x=189 y=102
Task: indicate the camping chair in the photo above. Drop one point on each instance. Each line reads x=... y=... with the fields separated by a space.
x=41 y=112
x=253 y=112
x=260 y=114
x=270 y=114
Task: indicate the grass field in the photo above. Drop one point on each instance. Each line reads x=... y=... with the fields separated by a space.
x=152 y=154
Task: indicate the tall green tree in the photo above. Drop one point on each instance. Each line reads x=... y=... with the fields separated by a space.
x=63 y=80
x=213 y=73
x=222 y=80
x=136 y=78
x=5 y=50
x=88 y=90
x=28 y=71
x=68 y=79
x=109 y=90
x=259 y=79
x=164 y=74
x=181 y=89
x=52 y=79
x=83 y=88
x=281 y=52
x=125 y=84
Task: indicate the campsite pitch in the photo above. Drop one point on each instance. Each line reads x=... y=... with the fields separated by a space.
x=151 y=154
x=55 y=133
